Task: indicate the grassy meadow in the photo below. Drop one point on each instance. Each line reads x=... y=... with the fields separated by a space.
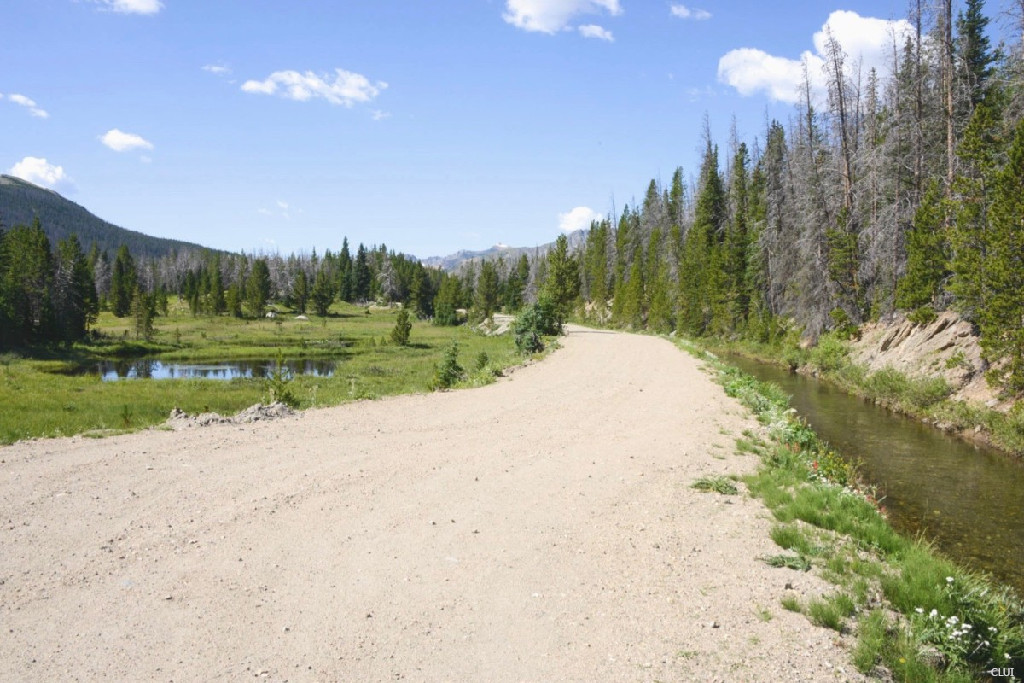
x=39 y=399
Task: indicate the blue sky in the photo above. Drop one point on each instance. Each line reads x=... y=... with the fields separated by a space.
x=429 y=126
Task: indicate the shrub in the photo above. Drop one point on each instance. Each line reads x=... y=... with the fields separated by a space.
x=922 y=315
x=448 y=372
x=842 y=326
x=279 y=384
x=830 y=354
x=534 y=322
x=403 y=326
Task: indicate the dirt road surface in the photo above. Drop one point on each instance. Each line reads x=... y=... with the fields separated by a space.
x=539 y=529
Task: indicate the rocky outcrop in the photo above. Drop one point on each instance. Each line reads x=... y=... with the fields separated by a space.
x=179 y=419
x=946 y=347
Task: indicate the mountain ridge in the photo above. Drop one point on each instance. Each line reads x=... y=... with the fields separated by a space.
x=21 y=202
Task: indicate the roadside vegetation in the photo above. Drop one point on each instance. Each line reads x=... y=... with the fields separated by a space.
x=924 y=398
x=915 y=613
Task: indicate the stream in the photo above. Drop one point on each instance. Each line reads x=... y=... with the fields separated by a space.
x=963 y=497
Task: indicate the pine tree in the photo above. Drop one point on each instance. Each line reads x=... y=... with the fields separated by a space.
x=322 y=295
x=981 y=149
x=361 y=277
x=300 y=290
x=921 y=287
x=402 y=329
x=74 y=291
x=515 y=286
x=124 y=280
x=447 y=301
x=27 y=285
x=737 y=240
x=258 y=288
x=562 y=285
x=701 y=293
x=974 y=57
x=345 y=284
x=421 y=294
x=486 y=297
x=1001 y=319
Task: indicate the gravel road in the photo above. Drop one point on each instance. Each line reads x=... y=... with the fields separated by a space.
x=542 y=528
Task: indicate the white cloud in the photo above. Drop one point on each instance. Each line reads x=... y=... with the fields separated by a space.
x=119 y=141
x=217 y=69
x=750 y=71
x=684 y=12
x=379 y=115
x=592 y=31
x=577 y=219
x=29 y=104
x=345 y=89
x=133 y=6
x=866 y=40
x=40 y=172
x=552 y=16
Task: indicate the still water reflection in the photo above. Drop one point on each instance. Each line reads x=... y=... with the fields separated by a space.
x=154 y=369
x=964 y=498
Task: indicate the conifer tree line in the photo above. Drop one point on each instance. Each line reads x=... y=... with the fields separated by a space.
x=899 y=191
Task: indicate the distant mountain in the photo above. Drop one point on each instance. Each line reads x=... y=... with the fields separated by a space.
x=453 y=262
x=21 y=202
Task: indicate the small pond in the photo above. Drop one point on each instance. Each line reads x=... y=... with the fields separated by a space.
x=148 y=368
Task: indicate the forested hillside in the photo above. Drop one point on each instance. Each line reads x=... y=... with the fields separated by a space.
x=21 y=202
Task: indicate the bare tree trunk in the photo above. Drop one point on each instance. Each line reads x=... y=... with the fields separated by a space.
x=947 y=85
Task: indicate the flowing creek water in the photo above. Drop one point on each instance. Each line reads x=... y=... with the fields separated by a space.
x=963 y=497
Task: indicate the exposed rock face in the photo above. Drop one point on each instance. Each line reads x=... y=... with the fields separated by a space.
x=946 y=347
x=498 y=324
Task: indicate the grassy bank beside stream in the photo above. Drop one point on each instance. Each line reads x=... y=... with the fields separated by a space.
x=40 y=399
x=916 y=614
x=924 y=398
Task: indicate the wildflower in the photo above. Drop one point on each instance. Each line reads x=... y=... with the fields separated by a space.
x=919 y=610
x=934 y=613
x=949 y=579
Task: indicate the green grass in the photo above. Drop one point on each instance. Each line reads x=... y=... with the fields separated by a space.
x=38 y=401
x=791 y=603
x=831 y=612
x=797 y=562
x=715 y=484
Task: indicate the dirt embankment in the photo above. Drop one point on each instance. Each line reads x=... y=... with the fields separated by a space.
x=541 y=528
